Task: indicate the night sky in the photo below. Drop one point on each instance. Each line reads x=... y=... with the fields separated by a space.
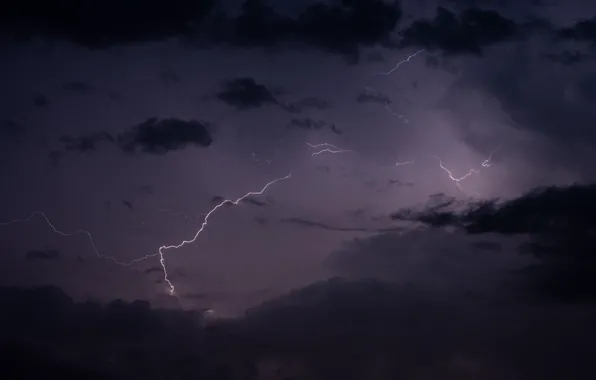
x=447 y=223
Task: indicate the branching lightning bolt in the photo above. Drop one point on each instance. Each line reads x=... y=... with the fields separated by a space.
x=487 y=163
x=316 y=146
x=160 y=251
x=331 y=149
x=402 y=62
x=457 y=180
x=388 y=108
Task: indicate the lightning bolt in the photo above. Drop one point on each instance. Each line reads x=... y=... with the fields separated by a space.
x=388 y=108
x=316 y=146
x=161 y=251
x=331 y=149
x=457 y=180
x=389 y=73
x=487 y=163
x=401 y=62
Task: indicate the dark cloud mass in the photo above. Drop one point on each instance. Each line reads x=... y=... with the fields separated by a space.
x=559 y=222
x=338 y=28
x=415 y=181
x=469 y=32
x=244 y=93
x=335 y=329
x=153 y=136
x=584 y=30
x=102 y=24
x=161 y=136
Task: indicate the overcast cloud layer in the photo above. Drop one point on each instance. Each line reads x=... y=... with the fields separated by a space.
x=441 y=115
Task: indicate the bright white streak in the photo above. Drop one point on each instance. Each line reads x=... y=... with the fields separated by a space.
x=160 y=251
x=401 y=62
x=454 y=179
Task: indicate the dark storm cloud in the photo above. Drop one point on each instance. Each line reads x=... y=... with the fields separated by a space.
x=45 y=333
x=561 y=226
x=102 y=24
x=245 y=93
x=154 y=136
x=161 y=136
x=42 y=254
x=466 y=33
x=584 y=31
x=405 y=332
x=338 y=28
x=328 y=330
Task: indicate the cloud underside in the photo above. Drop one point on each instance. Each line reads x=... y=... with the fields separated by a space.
x=153 y=136
x=559 y=221
x=338 y=28
x=328 y=330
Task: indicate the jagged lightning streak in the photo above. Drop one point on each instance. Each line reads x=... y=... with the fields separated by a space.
x=160 y=251
x=388 y=108
x=487 y=163
x=315 y=146
x=402 y=62
x=332 y=149
x=457 y=180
